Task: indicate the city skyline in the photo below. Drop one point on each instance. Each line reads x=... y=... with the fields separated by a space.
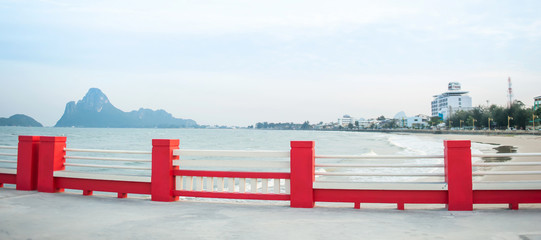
x=239 y=64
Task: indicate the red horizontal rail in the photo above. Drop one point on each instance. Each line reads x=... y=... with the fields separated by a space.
x=198 y=173
x=8 y=178
x=103 y=185
x=381 y=196
x=248 y=196
x=506 y=196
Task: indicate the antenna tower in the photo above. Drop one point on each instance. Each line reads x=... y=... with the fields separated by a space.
x=510 y=93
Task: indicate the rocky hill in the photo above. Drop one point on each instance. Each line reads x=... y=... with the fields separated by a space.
x=95 y=110
x=20 y=120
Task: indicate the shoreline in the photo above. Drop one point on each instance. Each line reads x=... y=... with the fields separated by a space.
x=444 y=132
x=522 y=143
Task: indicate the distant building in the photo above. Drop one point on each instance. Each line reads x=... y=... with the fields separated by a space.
x=370 y=123
x=451 y=101
x=346 y=120
x=418 y=121
x=536 y=103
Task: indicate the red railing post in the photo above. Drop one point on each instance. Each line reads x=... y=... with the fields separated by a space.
x=302 y=174
x=51 y=158
x=27 y=163
x=163 y=180
x=458 y=175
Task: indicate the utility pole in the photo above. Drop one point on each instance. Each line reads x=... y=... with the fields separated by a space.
x=510 y=93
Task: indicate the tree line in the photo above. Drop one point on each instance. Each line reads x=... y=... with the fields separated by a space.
x=284 y=126
x=516 y=116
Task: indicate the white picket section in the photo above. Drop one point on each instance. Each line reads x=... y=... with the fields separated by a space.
x=252 y=159
x=240 y=185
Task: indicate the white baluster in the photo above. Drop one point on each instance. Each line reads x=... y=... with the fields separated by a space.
x=178 y=183
x=242 y=185
x=199 y=184
x=276 y=186
x=210 y=184
x=265 y=183
x=220 y=182
x=189 y=183
x=231 y=185
x=253 y=188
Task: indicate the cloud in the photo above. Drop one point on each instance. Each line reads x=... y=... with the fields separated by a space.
x=247 y=61
x=211 y=17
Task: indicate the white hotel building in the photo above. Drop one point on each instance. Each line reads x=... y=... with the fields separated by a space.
x=450 y=102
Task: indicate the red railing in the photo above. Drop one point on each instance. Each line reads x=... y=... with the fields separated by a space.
x=41 y=163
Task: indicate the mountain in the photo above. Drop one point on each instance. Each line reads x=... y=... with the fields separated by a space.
x=400 y=115
x=20 y=120
x=95 y=110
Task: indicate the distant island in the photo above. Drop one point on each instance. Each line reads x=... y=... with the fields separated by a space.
x=20 y=120
x=95 y=110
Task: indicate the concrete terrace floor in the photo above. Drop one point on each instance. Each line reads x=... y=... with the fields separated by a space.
x=33 y=215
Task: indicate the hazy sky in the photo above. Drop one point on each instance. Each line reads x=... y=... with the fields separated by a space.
x=241 y=62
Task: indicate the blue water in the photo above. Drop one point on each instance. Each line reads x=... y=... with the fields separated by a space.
x=235 y=139
x=327 y=143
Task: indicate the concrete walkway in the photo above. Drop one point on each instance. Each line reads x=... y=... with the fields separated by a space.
x=32 y=215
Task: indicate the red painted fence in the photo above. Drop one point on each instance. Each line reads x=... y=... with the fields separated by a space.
x=41 y=160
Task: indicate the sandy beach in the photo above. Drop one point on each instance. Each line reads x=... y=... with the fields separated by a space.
x=523 y=143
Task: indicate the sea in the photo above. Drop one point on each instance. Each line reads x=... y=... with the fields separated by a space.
x=326 y=143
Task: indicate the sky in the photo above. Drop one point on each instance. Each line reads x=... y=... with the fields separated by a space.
x=237 y=63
